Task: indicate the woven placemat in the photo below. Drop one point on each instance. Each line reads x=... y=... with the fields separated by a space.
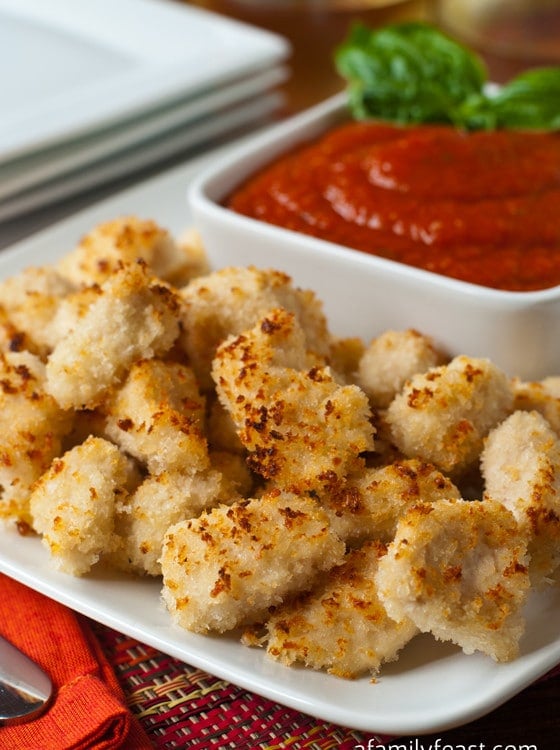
x=180 y=706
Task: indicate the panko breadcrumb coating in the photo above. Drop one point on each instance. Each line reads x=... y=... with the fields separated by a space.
x=301 y=428
x=32 y=427
x=542 y=396
x=344 y=357
x=31 y=299
x=369 y=506
x=391 y=359
x=157 y=416
x=459 y=570
x=341 y=625
x=134 y=316
x=143 y=518
x=230 y=565
x=443 y=415
x=521 y=468
x=73 y=503
x=220 y=427
x=69 y=312
x=12 y=339
x=232 y=300
x=125 y=240
x=262 y=496
x=158 y=503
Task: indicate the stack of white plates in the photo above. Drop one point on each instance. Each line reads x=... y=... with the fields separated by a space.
x=96 y=89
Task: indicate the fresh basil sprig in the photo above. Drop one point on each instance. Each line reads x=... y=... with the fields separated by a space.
x=414 y=73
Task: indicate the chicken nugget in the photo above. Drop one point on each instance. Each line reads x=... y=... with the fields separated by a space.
x=391 y=359
x=341 y=625
x=237 y=479
x=459 y=570
x=369 y=506
x=70 y=311
x=157 y=416
x=13 y=339
x=220 y=427
x=521 y=469
x=159 y=502
x=73 y=504
x=542 y=396
x=344 y=357
x=301 y=428
x=32 y=427
x=443 y=415
x=133 y=317
x=230 y=565
x=123 y=241
x=232 y=300
x=31 y=299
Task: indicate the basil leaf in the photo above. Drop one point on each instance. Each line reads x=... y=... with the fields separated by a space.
x=530 y=101
x=414 y=73
x=408 y=73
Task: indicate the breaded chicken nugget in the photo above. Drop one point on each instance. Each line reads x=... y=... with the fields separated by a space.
x=158 y=503
x=459 y=570
x=134 y=316
x=157 y=416
x=220 y=427
x=542 y=396
x=443 y=415
x=196 y=261
x=344 y=357
x=521 y=468
x=69 y=312
x=73 y=503
x=124 y=240
x=391 y=359
x=229 y=566
x=302 y=429
x=31 y=299
x=12 y=339
x=237 y=479
x=341 y=625
x=32 y=426
x=369 y=506
x=232 y=300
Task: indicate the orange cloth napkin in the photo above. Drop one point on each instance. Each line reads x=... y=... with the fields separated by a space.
x=88 y=708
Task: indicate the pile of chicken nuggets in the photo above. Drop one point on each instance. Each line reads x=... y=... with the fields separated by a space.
x=325 y=499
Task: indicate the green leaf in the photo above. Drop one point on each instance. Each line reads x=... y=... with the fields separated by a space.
x=408 y=72
x=530 y=101
x=414 y=73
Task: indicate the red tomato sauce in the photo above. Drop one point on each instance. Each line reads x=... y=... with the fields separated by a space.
x=483 y=207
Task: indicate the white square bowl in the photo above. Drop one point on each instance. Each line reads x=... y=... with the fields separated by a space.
x=365 y=295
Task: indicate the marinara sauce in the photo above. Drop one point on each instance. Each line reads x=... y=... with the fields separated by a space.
x=483 y=206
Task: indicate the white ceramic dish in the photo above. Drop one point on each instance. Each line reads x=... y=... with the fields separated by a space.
x=67 y=72
x=431 y=688
x=136 y=157
x=47 y=164
x=520 y=332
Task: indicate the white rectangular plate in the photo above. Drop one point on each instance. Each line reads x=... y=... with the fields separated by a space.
x=69 y=69
x=138 y=156
x=431 y=688
x=21 y=175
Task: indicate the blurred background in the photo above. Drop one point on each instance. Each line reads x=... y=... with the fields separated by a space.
x=510 y=35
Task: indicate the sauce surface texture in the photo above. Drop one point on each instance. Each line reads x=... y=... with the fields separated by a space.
x=483 y=207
